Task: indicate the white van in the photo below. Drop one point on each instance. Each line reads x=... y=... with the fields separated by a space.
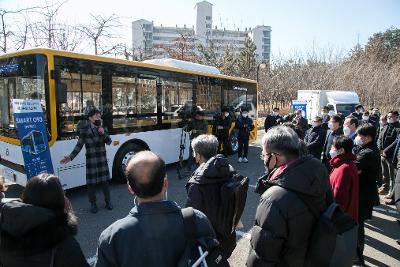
x=338 y=101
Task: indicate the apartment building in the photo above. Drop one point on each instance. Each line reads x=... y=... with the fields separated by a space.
x=152 y=41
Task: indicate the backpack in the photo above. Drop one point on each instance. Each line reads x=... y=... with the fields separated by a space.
x=233 y=195
x=199 y=251
x=334 y=239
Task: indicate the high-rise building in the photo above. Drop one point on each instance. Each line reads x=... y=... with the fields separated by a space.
x=154 y=41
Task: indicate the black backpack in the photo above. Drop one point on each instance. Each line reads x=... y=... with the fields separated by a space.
x=233 y=195
x=199 y=249
x=334 y=239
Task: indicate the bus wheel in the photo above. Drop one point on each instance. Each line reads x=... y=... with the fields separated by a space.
x=124 y=154
x=233 y=143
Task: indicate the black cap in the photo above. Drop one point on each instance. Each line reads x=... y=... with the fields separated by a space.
x=91 y=111
x=244 y=109
x=200 y=113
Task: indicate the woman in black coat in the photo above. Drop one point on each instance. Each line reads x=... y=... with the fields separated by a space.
x=369 y=168
x=39 y=231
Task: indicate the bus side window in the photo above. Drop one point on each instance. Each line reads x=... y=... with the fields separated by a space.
x=176 y=101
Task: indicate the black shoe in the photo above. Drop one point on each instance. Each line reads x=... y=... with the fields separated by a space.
x=109 y=206
x=93 y=208
x=390 y=202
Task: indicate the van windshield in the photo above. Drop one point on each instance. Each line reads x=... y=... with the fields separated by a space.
x=345 y=109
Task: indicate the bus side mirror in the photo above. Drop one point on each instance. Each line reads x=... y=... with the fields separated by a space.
x=61 y=92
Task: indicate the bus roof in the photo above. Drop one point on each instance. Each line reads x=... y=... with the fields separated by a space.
x=164 y=67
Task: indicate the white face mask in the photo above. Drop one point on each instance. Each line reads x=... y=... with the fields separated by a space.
x=226 y=114
x=365 y=118
x=330 y=125
x=245 y=115
x=315 y=124
x=346 y=131
x=390 y=121
x=333 y=153
x=358 y=141
x=274 y=113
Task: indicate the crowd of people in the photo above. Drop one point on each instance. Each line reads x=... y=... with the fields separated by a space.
x=360 y=153
x=347 y=160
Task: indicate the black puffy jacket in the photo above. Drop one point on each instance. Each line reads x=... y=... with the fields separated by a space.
x=30 y=233
x=203 y=189
x=368 y=162
x=284 y=223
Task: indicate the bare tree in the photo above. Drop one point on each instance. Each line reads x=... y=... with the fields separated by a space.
x=5 y=31
x=100 y=32
x=67 y=38
x=182 y=48
x=48 y=27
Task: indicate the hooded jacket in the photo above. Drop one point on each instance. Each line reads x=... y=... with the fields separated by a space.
x=345 y=183
x=203 y=189
x=30 y=234
x=284 y=223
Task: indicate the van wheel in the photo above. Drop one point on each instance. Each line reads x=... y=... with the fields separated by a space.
x=233 y=143
x=124 y=154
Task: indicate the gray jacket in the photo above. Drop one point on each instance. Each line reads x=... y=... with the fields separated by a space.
x=151 y=235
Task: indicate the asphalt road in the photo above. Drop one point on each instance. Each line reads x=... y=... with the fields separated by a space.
x=380 y=249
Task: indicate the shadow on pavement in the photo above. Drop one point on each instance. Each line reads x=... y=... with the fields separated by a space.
x=374 y=262
x=379 y=245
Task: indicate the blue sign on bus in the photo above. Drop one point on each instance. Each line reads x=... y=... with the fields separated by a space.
x=32 y=133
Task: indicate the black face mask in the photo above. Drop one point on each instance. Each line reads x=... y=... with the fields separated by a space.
x=267 y=170
x=97 y=123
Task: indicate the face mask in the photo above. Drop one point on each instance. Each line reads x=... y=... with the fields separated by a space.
x=245 y=115
x=358 y=141
x=324 y=113
x=268 y=170
x=365 y=118
x=97 y=123
x=274 y=113
x=330 y=125
x=333 y=153
x=226 y=114
x=346 y=131
x=390 y=121
x=315 y=124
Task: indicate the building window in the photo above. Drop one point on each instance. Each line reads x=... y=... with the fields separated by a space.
x=208 y=26
x=208 y=17
x=267 y=33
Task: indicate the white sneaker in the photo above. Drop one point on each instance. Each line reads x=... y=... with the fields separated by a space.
x=245 y=160
x=240 y=160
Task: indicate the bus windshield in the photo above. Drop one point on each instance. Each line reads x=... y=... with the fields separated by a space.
x=21 y=77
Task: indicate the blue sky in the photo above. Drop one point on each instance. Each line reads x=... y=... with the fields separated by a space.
x=297 y=26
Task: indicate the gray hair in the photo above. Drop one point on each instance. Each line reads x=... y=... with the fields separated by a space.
x=283 y=140
x=205 y=145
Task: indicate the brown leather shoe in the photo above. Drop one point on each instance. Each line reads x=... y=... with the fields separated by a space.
x=383 y=191
x=390 y=202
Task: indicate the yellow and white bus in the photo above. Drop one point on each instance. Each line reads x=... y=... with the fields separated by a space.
x=139 y=104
